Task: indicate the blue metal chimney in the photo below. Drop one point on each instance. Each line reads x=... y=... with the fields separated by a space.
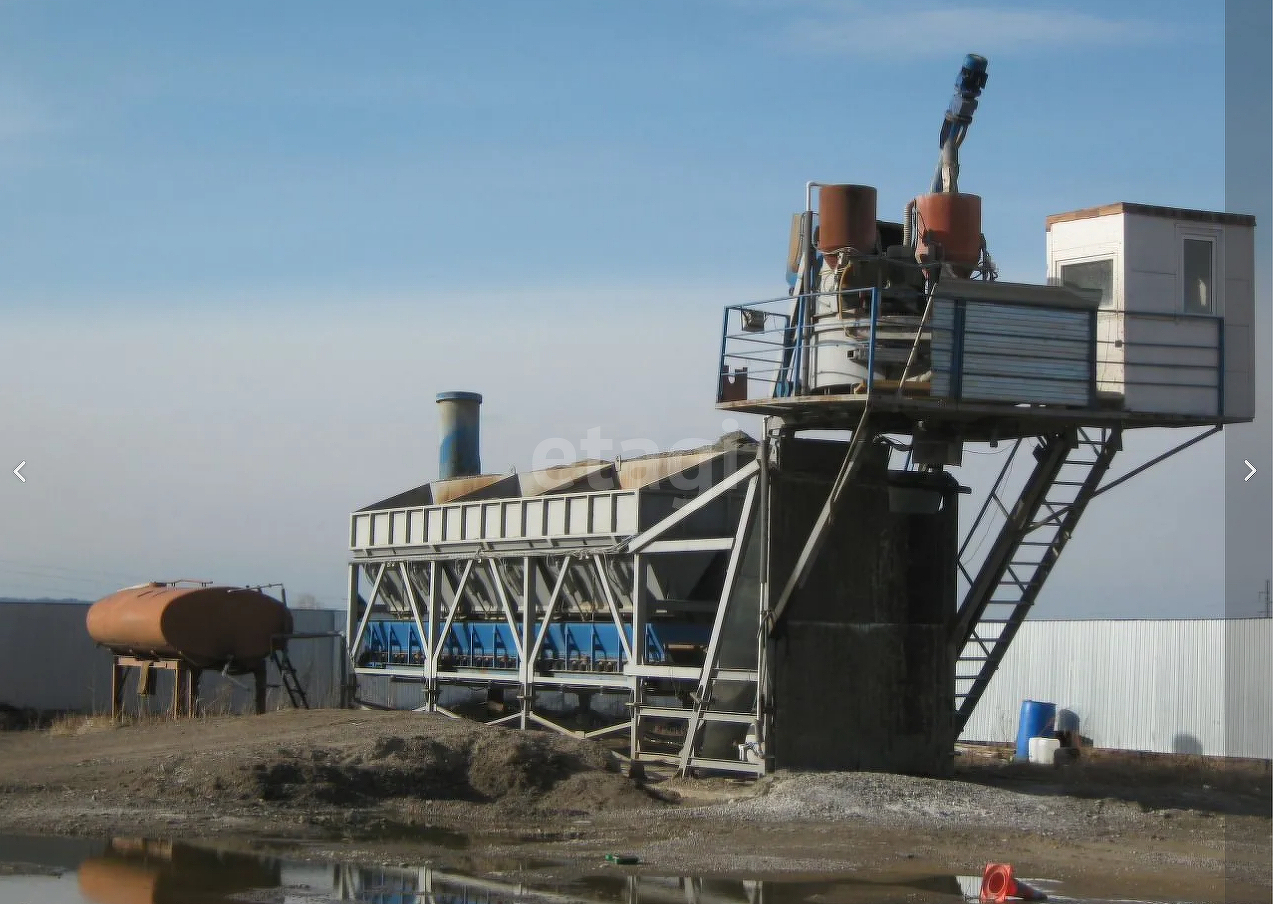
x=459 y=454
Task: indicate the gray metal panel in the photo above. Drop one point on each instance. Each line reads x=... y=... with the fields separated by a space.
x=1019 y=354
x=1165 y=686
x=48 y=661
x=943 y=326
x=1012 y=353
x=575 y=517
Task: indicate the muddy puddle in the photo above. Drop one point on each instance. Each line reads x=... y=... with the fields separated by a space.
x=51 y=870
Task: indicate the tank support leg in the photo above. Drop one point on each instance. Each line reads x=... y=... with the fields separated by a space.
x=192 y=690
x=180 y=685
x=259 y=674
x=119 y=674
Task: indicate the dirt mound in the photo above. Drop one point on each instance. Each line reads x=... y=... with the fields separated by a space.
x=321 y=760
x=481 y=766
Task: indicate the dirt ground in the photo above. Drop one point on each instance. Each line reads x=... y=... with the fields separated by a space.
x=400 y=787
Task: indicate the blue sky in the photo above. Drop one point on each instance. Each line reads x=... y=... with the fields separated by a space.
x=243 y=244
x=152 y=150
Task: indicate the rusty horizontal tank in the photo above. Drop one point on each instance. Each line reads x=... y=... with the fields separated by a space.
x=205 y=626
x=953 y=221
x=846 y=218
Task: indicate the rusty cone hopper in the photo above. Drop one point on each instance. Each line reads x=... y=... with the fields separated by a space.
x=999 y=885
x=206 y=627
x=948 y=230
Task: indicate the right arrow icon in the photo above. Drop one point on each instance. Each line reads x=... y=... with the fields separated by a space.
x=1250 y=470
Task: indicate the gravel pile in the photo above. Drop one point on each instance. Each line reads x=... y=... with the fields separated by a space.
x=898 y=800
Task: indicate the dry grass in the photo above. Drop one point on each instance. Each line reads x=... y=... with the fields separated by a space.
x=72 y=724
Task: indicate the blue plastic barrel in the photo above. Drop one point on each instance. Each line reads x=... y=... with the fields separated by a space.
x=1038 y=720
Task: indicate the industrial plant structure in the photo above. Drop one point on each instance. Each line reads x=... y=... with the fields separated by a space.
x=793 y=602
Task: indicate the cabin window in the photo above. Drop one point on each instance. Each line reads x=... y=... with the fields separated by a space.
x=1094 y=275
x=1198 y=269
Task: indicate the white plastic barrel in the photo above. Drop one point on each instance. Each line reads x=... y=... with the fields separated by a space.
x=1043 y=750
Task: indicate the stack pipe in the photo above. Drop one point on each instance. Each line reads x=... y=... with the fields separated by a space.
x=459 y=424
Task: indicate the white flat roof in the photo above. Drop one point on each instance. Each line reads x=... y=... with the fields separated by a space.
x=1150 y=210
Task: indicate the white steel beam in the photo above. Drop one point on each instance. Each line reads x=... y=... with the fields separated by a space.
x=415 y=613
x=366 y=616
x=550 y=610
x=502 y=594
x=713 y=646
x=702 y=500
x=431 y=688
x=614 y=607
x=528 y=612
x=609 y=729
x=706 y=544
x=450 y=615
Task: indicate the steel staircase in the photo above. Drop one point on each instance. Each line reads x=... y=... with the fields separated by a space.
x=1034 y=530
x=291 y=681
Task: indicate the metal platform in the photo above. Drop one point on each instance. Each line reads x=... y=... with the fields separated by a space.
x=991 y=361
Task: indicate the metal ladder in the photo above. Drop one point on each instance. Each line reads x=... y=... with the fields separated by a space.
x=1068 y=470
x=291 y=681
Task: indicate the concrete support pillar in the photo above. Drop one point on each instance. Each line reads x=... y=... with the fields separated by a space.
x=864 y=677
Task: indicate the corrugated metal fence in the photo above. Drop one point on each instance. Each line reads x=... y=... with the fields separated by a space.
x=48 y=662
x=1200 y=686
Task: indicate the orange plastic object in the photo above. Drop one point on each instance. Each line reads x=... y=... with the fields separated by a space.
x=998 y=884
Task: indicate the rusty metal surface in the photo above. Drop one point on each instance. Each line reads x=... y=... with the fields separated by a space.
x=444 y=491
x=952 y=221
x=581 y=477
x=846 y=217
x=637 y=473
x=206 y=626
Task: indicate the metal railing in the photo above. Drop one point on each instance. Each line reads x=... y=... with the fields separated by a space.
x=767 y=346
x=1161 y=363
x=1157 y=363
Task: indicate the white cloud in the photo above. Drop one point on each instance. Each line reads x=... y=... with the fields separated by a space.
x=926 y=29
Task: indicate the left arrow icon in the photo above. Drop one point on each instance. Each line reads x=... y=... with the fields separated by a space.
x=17 y=472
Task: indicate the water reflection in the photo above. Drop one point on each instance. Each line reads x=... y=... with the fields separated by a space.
x=426 y=885
x=139 y=871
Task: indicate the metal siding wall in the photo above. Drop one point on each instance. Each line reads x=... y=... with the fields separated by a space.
x=48 y=662
x=1156 y=686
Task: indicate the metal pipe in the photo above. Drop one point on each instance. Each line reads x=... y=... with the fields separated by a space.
x=1153 y=461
